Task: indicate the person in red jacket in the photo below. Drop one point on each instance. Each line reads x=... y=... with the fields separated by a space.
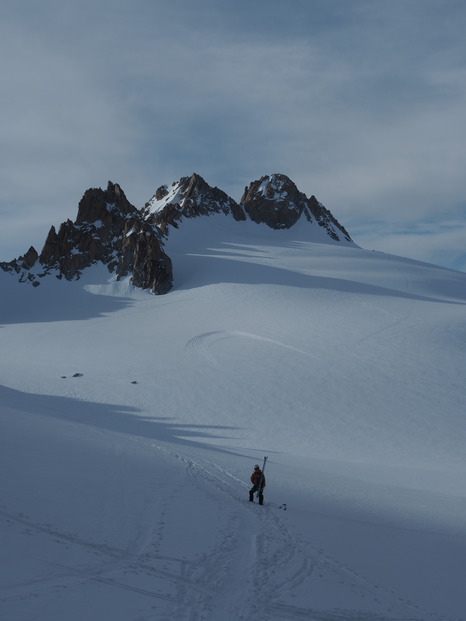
x=258 y=484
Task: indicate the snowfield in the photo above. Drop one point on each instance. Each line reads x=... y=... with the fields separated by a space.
x=130 y=424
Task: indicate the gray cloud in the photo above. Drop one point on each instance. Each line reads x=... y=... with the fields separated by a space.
x=362 y=104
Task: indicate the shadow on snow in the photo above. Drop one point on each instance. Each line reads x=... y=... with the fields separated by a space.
x=111 y=417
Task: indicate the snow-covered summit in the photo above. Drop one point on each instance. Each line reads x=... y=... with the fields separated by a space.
x=190 y=197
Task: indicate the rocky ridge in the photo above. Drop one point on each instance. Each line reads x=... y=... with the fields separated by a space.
x=190 y=197
x=107 y=229
x=276 y=201
x=130 y=241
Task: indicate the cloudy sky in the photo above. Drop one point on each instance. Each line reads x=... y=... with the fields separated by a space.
x=361 y=102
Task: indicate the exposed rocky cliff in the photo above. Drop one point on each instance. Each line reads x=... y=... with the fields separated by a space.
x=276 y=201
x=130 y=241
x=189 y=197
x=273 y=200
x=107 y=229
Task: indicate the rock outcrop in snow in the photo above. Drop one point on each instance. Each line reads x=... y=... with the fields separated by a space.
x=130 y=241
x=190 y=197
x=277 y=202
x=107 y=229
x=273 y=200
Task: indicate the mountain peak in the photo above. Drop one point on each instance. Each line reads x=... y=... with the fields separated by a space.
x=276 y=187
x=108 y=230
x=189 y=197
x=129 y=241
x=103 y=205
x=276 y=201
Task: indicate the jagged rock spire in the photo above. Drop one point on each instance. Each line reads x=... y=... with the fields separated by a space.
x=107 y=229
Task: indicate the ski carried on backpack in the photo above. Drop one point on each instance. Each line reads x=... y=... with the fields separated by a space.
x=260 y=487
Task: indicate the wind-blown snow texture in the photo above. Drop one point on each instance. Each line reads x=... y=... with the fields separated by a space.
x=124 y=488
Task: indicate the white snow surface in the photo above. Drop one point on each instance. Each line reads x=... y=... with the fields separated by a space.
x=129 y=501
x=173 y=196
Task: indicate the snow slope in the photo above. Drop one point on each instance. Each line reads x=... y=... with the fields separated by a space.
x=124 y=488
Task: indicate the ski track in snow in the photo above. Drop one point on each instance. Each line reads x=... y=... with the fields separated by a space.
x=271 y=569
x=202 y=343
x=110 y=559
x=255 y=566
x=268 y=566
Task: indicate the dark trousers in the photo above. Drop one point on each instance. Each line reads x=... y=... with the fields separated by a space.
x=251 y=494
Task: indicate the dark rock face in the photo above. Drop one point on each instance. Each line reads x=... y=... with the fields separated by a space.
x=130 y=241
x=277 y=202
x=142 y=255
x=22 y=265
x=94 y=206
x=94 y=236
x=189 y=198
x=325 y=219
x=29 y=259
x=108 y=229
